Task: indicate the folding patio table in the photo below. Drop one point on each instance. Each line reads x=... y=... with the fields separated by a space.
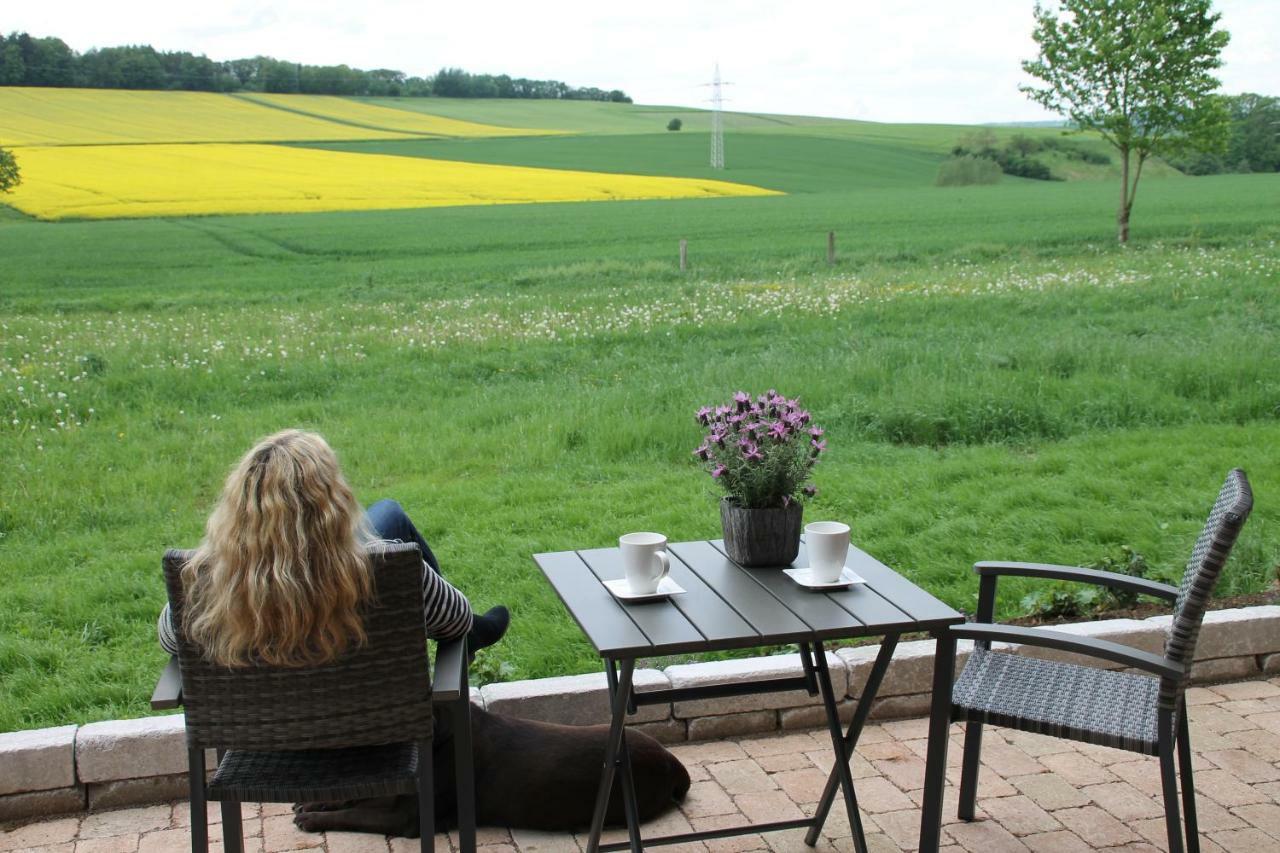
x=726 y=606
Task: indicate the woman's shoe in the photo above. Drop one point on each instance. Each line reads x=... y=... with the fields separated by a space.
x=488 y=629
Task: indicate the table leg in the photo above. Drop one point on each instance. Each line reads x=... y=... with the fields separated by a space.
x=935 y=768
x=850 y=740
x=624 y=762
x=618 y=707
x=840 y=768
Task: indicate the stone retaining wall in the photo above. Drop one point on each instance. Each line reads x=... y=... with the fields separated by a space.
x=127 y=762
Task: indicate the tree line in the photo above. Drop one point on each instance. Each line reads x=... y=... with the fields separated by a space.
x=29 y=61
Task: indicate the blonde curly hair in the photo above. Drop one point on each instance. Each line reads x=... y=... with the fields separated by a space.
x=283 y=571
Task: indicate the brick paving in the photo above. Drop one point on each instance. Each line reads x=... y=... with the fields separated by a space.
x=1035 y=795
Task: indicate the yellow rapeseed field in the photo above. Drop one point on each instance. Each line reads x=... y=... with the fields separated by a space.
x=120 y=181
x=389 y=118
x=40 y=116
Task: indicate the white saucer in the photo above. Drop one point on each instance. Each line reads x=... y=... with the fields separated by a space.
x=621 y=590
x=803 y=577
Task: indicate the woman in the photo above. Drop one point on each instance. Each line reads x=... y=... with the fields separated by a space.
x=284 y=566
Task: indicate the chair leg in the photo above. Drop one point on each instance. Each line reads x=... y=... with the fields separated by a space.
x=199 y=814
x=1188 y=784
x=1169 y=781
x=464 y=774
x=969 y=769
x=426 y=799
x=232 y=830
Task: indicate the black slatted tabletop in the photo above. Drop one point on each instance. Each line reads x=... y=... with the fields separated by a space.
x=726 y=606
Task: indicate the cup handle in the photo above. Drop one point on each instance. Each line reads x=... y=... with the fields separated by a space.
x=666 y=565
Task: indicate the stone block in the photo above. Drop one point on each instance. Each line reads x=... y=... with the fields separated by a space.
x=119 y=793
x=1224 y=669
x=37 y=760
x=1269 y=664
x=910 y=671
x=131 y=749
x=814 y=716
x=897 y=707
x=749 y=670
x=41 y=803
x=664 y=731
x=731 y=725
x=1238 y=632
x=575 y=700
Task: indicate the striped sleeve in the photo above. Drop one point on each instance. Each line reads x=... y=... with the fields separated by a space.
x=445 y=610
x=164 y=630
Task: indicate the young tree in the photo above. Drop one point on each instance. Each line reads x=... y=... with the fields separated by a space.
x=1139 y=72
x=10 y=176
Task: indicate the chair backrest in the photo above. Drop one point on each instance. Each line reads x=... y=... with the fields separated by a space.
x=377 y=693
x=1230 y=510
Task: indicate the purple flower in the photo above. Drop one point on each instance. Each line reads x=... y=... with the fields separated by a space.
x=779 y=432
x=750 y=427
x=704 y=415
x=802 y=416
x=753 y=454
x=703 y=452
x=810 y=491
x=719 y=471
x=817 y=432
x=746 y=444
x=818 y=446
x=716 y=438
x=741 y=399
x=721 y=411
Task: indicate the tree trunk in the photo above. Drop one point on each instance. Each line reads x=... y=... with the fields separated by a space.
x=1122 y=215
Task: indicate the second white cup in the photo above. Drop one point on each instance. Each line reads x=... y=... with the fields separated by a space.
x=645 y=561
x=828 y=543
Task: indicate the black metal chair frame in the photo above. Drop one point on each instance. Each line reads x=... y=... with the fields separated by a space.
x=1173 y=668
x=399 y=566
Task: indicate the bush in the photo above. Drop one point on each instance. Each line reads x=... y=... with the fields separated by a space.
x=10 y=174
x=966 y=170
x=675 y=124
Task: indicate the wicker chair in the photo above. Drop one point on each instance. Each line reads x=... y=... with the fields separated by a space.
x=358 y=727
x=1137 y=712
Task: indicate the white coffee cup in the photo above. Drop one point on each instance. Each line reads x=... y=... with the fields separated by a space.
x=645 y=561
x=828 y=543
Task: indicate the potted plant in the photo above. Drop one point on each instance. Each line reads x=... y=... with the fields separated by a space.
x=761 y=453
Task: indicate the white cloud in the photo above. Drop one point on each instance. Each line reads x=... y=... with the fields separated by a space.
x=910 y=60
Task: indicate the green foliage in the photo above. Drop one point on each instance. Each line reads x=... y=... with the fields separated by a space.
x=1139 y=72
x=1254 y=145
x=27 y=61
x=1014 y=157
x=1074 y=600
x=967 y=169
x=675 y=124
x=10 y=174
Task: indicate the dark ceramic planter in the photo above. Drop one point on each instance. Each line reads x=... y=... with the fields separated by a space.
x=761 y=537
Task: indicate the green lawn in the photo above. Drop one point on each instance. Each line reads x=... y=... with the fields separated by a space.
x=997 y=379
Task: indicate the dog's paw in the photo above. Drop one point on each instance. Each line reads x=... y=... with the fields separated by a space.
x=308 y=821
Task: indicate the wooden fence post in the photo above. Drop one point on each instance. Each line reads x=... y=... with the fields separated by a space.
x=831 y=247
x=684 y=254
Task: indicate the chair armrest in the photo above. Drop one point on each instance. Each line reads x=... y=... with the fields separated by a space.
x=1072 y=573
x=1102 y=649
x=450 y=683
x=168 y=692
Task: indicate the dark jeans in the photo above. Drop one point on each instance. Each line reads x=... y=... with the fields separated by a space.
x=393 y=524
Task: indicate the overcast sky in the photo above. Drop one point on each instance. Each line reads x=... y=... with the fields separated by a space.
x=902 y=60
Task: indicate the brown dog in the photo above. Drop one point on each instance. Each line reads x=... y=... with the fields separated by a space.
x=528 y=774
